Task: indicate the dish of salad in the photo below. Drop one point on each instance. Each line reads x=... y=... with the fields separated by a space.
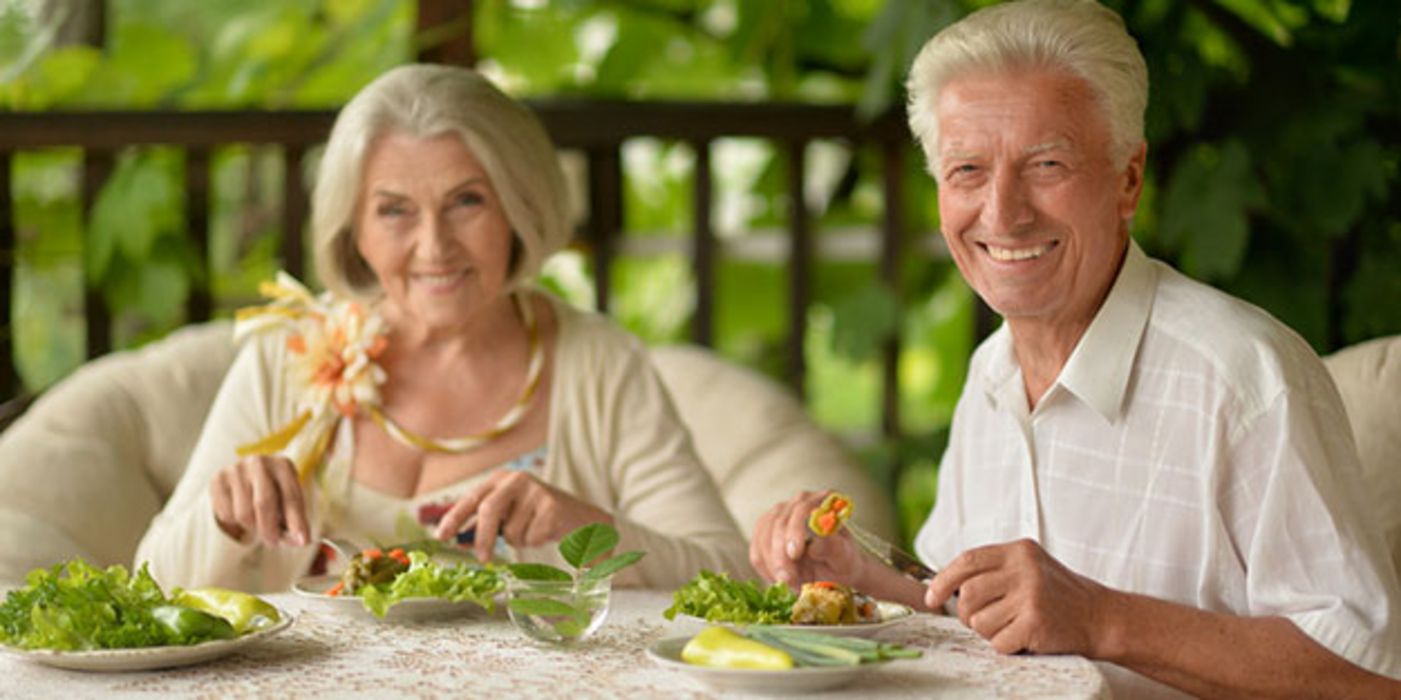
x=405 y=586
x=75 y=615
x=822 y=606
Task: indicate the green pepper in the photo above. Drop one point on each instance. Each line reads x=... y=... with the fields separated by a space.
x=191 y=626
x=242 y=610
x=719 y=647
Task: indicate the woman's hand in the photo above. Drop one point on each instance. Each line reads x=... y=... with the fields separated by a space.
x=1020 y=598
x=783 y=549
x=525 y=510
x=261 y=495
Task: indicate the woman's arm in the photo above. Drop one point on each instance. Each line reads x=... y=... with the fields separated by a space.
x=184 y=544
x=627 y=451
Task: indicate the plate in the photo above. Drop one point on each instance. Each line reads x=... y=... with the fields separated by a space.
x=147 y=658
x=313 y=589
x=667 y=654
x=890 y=614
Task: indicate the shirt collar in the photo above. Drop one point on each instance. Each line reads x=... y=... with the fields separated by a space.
x=1098 y=370
x=1099 y=367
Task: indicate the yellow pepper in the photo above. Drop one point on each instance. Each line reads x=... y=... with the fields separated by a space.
x=243 y=610
x=719 y=647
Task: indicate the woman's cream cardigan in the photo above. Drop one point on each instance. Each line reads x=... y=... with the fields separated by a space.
x=614 y=440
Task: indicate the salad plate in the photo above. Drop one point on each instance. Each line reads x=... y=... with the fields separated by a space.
x=802 y=679
x=313 y=590
x=147 y=658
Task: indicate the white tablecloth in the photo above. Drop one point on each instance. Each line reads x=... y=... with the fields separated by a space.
x=326 y=654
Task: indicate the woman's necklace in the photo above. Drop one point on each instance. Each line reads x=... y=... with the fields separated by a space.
x=511 y=419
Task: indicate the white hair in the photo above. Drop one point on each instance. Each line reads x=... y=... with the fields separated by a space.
x=425 y=101
x=1081 y=37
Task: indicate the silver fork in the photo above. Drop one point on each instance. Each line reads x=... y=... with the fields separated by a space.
x=889 y=554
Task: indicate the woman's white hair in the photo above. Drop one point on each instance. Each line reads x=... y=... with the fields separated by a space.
x=1079 y=36
x=427 y=101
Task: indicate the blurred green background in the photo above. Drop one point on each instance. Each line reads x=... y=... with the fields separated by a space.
x=1274 y=130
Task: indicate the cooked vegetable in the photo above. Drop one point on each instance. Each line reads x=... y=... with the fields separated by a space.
x=716 y=598
x=719 y=647
x=191 y=626
x=830 y=514
x=242 y=610
x=76 y=606
x=814 y=649
x=426 y=578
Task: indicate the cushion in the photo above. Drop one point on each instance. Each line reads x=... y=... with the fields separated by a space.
x=84 y=470
x=1368 y=376
x=758 y=441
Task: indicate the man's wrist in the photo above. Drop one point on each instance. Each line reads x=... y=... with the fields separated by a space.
x=1110 y=630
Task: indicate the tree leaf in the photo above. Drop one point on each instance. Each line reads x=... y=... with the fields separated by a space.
x=609 y=566
x=863 y=322
x=588 y=543
x=1206 y=207
x=528 y=571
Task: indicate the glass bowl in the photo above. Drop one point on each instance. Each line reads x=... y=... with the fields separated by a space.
x=558 y=612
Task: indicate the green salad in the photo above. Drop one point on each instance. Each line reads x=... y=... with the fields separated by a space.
x=79 y=607
x=425 y=578
x=717 y=598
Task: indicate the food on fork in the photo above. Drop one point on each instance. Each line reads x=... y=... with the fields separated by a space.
x=828 y=603
x=830 y=514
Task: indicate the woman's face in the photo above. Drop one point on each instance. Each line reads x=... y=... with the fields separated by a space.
x=430 y=226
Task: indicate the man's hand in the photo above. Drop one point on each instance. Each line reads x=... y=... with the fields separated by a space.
x=783 y=549
x=1018 y=597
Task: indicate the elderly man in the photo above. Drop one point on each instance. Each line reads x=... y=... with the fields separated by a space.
x=1142 y=470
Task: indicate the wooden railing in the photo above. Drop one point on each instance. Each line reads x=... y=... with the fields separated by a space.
x=597 y=129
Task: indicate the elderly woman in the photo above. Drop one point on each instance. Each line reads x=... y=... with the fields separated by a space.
x=432 y=390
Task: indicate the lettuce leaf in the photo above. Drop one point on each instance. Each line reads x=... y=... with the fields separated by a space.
x=428 y=579
x=76 y=606
x=716 y=598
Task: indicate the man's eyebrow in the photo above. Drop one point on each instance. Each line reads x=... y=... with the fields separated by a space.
x=957 y=155
x=1046 y=146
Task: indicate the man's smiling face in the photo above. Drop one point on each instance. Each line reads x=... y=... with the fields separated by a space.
x=1033 y=208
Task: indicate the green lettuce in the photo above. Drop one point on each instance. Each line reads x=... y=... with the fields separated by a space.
x=426 y=578
x=77 y=607
x=716 y=598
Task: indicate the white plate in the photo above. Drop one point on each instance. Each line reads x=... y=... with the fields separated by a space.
x=147 y=658
x=313 y=589
x=890 y=614
x=667 y=654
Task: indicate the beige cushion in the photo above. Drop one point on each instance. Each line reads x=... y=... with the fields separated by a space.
x=86 y=468
x=1368 y=376
x=759 y=443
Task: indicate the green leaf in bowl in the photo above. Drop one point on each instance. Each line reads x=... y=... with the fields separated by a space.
x=527 y=571
x=587 y=544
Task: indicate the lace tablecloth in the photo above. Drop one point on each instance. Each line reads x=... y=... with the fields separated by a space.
x=327 y=654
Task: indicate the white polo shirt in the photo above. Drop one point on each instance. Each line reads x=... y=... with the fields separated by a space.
x=1193 y=449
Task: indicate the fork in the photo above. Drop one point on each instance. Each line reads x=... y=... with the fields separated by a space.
x=889 y=554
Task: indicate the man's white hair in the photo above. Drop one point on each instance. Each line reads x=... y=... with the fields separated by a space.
x=427 y=101
x=1081 y=37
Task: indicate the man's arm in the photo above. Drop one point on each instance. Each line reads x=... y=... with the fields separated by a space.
x=1020 y=598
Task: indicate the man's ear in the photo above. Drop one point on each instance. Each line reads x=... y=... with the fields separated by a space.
x=1131 y=188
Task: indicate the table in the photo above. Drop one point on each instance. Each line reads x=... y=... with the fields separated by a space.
x=327 y=654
